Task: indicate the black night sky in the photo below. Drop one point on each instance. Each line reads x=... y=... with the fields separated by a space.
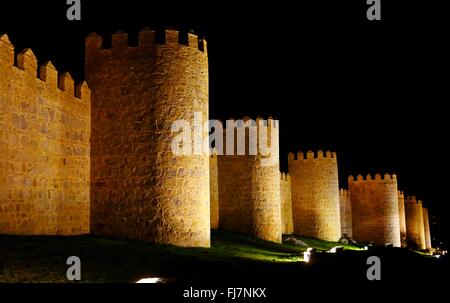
x=374 y=92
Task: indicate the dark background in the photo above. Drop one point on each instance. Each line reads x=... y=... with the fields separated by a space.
x=373 y=91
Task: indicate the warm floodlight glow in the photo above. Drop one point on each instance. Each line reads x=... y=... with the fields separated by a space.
x=306 y=256
x=366 y=247
x=336 y=249
x=150 y=280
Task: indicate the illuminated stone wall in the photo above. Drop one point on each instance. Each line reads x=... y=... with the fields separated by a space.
x=286 y=204
x=249 y=192
x=426 y=224
x=375 y=213
x=401 y=211
x=44 y=148
x=346 y=212
x=415 y=231
x=140 y=189
x=214 y=191
x=315 y=195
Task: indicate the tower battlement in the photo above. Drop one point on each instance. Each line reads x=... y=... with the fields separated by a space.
x=147 y=38
x=369 y=178
x=25 y=64
x=344 y=193
x=412 y=199
x=310 y=155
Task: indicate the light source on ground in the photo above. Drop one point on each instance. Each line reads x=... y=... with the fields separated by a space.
x=151 y=280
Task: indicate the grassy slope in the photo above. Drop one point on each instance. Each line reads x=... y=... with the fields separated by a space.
x=104 y=259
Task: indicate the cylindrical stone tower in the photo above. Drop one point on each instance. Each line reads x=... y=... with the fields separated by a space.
x=346 y=213
x=214 y=190
x=375 y=214
x=415 y=230
x=402 y=218
x=426 y=224
x=141 y=189
x=286 y=204
x=249 y=183
x=315 y=195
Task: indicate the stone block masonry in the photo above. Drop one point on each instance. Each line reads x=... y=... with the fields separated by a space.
x=375 y=212
x=315 y=195
x=346 y=213
x=415 y=228
x=249 y=192
x=402 y=218
x=140 y=188
x=44 y=148
x=214 y=191
x=286 y=204
x=426 y=228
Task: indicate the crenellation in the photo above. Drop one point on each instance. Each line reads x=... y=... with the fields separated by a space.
x=27 y=61
x=119 y=40
x=148 y=38
x=6 y=51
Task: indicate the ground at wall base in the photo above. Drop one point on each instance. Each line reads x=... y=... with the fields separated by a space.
x=232 y=257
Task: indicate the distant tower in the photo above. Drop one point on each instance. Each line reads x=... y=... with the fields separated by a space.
x=375 y=213
x=214 y=190
x=140 y=188
x=401 y=211
x=346 y=212
x=315 y=195
x=415 y=230
x=426 y=224
x=249 y=190
x=286 y=204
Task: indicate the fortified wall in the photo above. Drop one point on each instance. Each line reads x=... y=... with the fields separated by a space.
x=140 y=188
x=426 y=224
x=214 y=190
x=346 y=213
x=44 y=147
x=286 y=204
x=415 y=229
x=315 y=195
x=249 y=192
x=402 y=218
x=375 y=212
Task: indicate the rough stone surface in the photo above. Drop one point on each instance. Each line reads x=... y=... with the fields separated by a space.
x=375 y=213
x=346 y=213
x=426 y=224
x=44 y=148
x=214 y=191
x=401 y=211
x=286 y=204
x=315 y=195
x=415 y=229
x=140 y=189
x=249 y=193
